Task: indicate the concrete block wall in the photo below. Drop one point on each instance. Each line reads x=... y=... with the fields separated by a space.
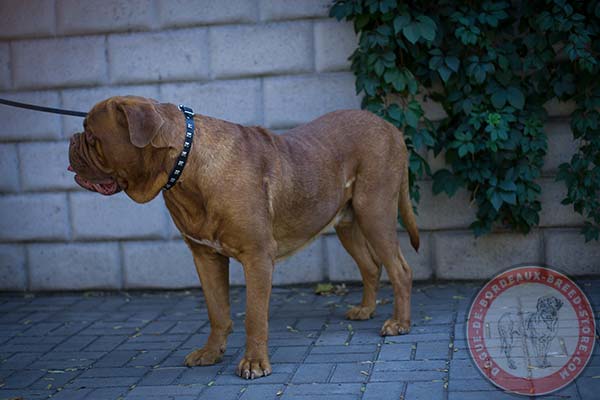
x=277 y=63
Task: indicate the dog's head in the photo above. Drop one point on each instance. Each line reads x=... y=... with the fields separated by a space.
x=548 y=306
x=126 y=144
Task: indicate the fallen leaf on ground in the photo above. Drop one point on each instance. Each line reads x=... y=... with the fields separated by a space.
x=328 y=289
x=324 y=288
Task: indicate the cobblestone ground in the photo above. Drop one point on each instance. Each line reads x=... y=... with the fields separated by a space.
x=132 y=346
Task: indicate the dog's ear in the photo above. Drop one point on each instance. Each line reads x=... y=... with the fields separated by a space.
x=146 y=123
x=558 y=303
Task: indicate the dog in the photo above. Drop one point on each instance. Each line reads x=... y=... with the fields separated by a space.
x=258 y=197
x=535 y=328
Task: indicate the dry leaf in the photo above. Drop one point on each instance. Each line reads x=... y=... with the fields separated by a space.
x=327 y=289
x=324 y=288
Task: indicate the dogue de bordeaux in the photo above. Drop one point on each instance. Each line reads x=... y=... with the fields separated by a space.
x=258 y=197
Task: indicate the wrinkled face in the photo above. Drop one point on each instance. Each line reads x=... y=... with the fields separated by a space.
x=88 y=161
x=123 y=147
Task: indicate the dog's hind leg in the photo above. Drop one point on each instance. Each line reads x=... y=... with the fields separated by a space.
x=357 y=246
x=376 y=216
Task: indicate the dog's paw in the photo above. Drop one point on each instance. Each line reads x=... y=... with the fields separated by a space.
x=204 y=356
x=393 y=327
x=544 y=364
x=360 y=313
x=253 y=368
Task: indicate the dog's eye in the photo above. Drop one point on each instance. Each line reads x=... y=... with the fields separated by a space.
x=90 y=138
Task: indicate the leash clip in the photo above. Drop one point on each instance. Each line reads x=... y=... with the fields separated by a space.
x=189 y=113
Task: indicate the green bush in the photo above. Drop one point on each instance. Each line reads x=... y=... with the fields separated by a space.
x=492 y=65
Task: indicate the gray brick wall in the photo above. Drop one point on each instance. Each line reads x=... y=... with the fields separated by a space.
x=277 y=63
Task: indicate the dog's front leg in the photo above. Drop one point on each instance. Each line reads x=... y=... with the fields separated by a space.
x=258 y=272
x=213 y=270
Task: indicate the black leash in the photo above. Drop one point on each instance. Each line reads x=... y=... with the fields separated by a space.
x=43 y=109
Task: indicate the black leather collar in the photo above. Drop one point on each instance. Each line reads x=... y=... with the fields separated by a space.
x=187 y=146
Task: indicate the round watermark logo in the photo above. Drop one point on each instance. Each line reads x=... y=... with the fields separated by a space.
x=531 y=330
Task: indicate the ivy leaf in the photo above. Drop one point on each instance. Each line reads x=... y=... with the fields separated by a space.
x=400 y=22
x=426 y=27
x=435 y=62
x=396 y=78
x=412 y=117
x=508 y=186
x=479 y=228
x=445 y=181
x=496 y=200
x=453 y=63
x=498 y=99
x=340 y=10
x=590 y=232
x=467 y=106
x=379 y=67
x=386 y=5
x=444 y=73
x=509 y=197
x=369 y=86
x=515 y=97
x=412 y=32
x=422 y=137
x=463 y=150
x=412 y=84
x=395 y=113
x=361 y=21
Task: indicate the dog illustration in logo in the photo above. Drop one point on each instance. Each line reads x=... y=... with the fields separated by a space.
x=536 y=328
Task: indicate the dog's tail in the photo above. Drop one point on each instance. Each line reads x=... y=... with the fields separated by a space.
x=406 y=211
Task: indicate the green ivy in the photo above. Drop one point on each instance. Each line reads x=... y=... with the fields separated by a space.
x=492 y=65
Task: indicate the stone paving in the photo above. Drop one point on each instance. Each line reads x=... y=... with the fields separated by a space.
x=132 y=345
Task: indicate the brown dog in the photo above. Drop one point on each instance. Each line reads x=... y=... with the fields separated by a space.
x=258 y=197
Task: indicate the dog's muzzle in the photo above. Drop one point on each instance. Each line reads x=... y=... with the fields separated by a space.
x=106 y=186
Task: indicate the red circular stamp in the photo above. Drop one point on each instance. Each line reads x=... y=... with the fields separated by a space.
x=531 y=330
